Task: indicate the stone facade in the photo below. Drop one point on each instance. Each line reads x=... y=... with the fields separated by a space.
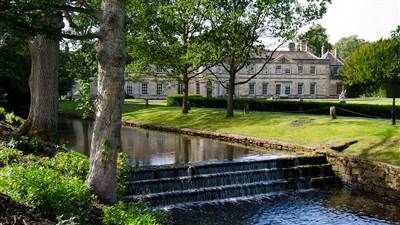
x=289 y=74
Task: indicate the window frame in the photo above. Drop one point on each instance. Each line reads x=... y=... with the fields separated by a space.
x=144 y=88
x=159 y=89
x=252 y=88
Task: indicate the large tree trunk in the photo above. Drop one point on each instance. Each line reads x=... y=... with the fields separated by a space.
x=230 y=94
x=185 y=99
x=43 y=84
x=106 y=139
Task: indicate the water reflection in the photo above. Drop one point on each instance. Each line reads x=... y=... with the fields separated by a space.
x=145 y=147
x=315 y=207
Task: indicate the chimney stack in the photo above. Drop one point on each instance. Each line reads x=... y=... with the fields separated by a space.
x=322 y=50
x=335 y=53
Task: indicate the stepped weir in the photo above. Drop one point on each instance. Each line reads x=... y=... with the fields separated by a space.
x=200 y=182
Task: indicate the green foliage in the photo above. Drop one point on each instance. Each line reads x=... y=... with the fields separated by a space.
x=131 y=214
x=396 y=32
x=27 y=145
x=122 y=174
x=9 y=156
x=308 y=107
x=85 y=106
x=48 y=191
x=79 y=64
x=347 y=45
x=12 y=119
x=2 y=113
x=70 y=164
x=316 y=37
x=373 y=65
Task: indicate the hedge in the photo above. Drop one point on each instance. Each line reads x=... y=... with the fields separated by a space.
x=308 y=107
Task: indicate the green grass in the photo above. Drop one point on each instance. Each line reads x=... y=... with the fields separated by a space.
x=377 y=139
x=370 y=101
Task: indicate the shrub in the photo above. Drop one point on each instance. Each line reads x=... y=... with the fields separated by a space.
x=8 y=156
x=27 y=145
x=47 y=191
x=12 y=119
x=70 y=164
x=318 y=108
x=2 y=113
x=122 y=173
x=131 y=214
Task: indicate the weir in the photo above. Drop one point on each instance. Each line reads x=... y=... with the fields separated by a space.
x=170 y=185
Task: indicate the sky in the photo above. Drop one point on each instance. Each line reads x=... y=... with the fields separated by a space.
x=369 y=19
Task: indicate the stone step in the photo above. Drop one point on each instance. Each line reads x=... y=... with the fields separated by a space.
x=227 y=178
x=219 y=192
x=150 y=173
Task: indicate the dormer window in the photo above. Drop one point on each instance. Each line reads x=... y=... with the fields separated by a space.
x=251 y=69
x=160 y=70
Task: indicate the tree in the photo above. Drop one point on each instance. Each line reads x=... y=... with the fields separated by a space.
x=347 y=45
x=396 y=32
x=14 y=72
x=41 y=22
x=106 y=140
x=374 y=65
x=77 y=64
x=237 y=26
x=316 y=39
x=171 y=38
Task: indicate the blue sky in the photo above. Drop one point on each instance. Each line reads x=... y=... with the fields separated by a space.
x=369 y=19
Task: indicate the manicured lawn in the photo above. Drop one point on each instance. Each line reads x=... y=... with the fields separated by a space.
x=370 y=101
x=377 y=138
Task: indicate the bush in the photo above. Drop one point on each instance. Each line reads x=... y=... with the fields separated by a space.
x=9 y=156
x=318 y=108
x=70 y=164
x=131 y=214
x=2 y=113
x=47 y=191
x=27 y=145
x=12 y=119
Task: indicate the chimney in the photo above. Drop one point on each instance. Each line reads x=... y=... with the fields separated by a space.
x=292 y=47
x=335 y=52
x=322 y=50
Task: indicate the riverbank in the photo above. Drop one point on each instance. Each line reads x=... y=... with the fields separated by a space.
x=375 y=139
x=44 y=183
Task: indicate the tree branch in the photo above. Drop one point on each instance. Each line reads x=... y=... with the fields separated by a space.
x=268 y=59
x=80 y=37
x=216 y=77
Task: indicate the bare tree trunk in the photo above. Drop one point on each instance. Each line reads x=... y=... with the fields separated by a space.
x=43 y=84
x=230 y=94
x=185 y=99
x=106 y=139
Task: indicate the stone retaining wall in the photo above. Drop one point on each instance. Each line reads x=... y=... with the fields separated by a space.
x=366 y=175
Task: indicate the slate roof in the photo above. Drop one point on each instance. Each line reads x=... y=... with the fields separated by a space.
x=333 y=60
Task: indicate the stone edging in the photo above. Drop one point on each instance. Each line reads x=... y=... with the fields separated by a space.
x=239 y=139
x=367 y=175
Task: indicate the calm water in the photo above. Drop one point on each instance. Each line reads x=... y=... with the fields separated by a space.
x=145 y=147
x=328 y=207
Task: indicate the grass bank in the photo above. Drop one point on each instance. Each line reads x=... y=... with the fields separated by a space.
x=377 y=139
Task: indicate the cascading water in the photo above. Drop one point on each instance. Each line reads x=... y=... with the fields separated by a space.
x=161 y=186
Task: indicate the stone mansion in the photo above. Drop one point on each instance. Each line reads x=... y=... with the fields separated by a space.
x=295 y=73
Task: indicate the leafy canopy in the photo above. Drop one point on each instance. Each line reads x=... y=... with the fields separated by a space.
x=374 y=64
